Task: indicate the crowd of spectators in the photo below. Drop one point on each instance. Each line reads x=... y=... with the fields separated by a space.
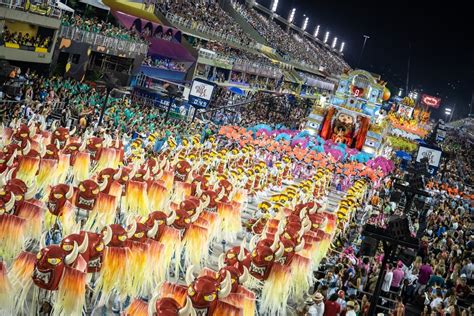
x=164 y=63
x=206 y=15
x=47 y=94
x=253 y=81
x=275 y=110
x=244 y=58
x=147 y=32
x=437 y=281
x=262 y=107
x=236 y=54
x=79 y=104
x=24 y=39
x=94 y=25
x=292 y=46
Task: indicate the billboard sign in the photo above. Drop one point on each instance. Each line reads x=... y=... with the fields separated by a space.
x=201 y=93
x=430 y=101
x=433 y=154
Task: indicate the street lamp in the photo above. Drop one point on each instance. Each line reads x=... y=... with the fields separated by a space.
x=448 y=112
x=366 y=37
x=413 y=95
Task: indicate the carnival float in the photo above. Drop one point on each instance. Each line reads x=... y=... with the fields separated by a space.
x=362 y=115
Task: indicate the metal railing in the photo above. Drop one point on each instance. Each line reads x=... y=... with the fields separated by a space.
x=79 y=35
x=46 y=8
x=230 y=60
x=192 y=25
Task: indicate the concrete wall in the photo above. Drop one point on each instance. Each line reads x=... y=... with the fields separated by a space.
x=25 y=55
x=28 y=17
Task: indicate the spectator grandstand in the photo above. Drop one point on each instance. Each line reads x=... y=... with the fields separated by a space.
x=94 y=25
x=292 y=46
x=206 y=17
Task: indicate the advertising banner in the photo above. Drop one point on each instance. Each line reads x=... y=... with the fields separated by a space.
x=201 y=93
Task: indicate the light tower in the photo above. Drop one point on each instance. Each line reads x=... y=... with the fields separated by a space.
x=342 y=47
x=326 y=37
x=291 y=17
x=305 y=24
x=316 y=31
x=274 y=7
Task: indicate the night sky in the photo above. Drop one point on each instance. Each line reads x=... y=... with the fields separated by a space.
x=440 y=36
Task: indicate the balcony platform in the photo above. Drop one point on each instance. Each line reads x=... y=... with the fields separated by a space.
x=50 y=19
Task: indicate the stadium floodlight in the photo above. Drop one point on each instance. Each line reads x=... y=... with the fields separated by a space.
x=316 y=31
x=292 y=15
x=274 y=5
x=326 y=37
x=447 y=111
x=413 y=95
x=342 y=47
x=305 y=24
x=334 y=42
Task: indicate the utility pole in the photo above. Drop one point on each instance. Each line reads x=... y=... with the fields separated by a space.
x=452 y=112
x=366 y=37
x=408 y=68
x=471 y=105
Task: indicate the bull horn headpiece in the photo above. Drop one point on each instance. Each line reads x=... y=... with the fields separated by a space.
x=152 y=232
x=70 y=258
x=241 y=255
x=189 y=278
x=84 y=245
x=108 y=235
x=132 y=230
x=245 y=275
x=226 y=286
x=171 y=218
x=280 y=251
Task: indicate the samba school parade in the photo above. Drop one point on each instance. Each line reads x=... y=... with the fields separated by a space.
x=216 y=158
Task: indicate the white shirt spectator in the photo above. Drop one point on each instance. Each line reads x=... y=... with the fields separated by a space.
x=317 y=309
x=393 y=206
x=387 y=281
x=351 y=313
x=341 y=303
x=435 y=303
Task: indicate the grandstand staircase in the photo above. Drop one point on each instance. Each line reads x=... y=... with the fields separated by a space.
x=239 y=19
x=292 y=75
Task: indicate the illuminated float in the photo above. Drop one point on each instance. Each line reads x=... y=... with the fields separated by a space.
x=409 y=119
x=352 y=115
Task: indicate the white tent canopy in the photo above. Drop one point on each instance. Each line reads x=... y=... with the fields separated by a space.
x=96 y=3
x=64 y=7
